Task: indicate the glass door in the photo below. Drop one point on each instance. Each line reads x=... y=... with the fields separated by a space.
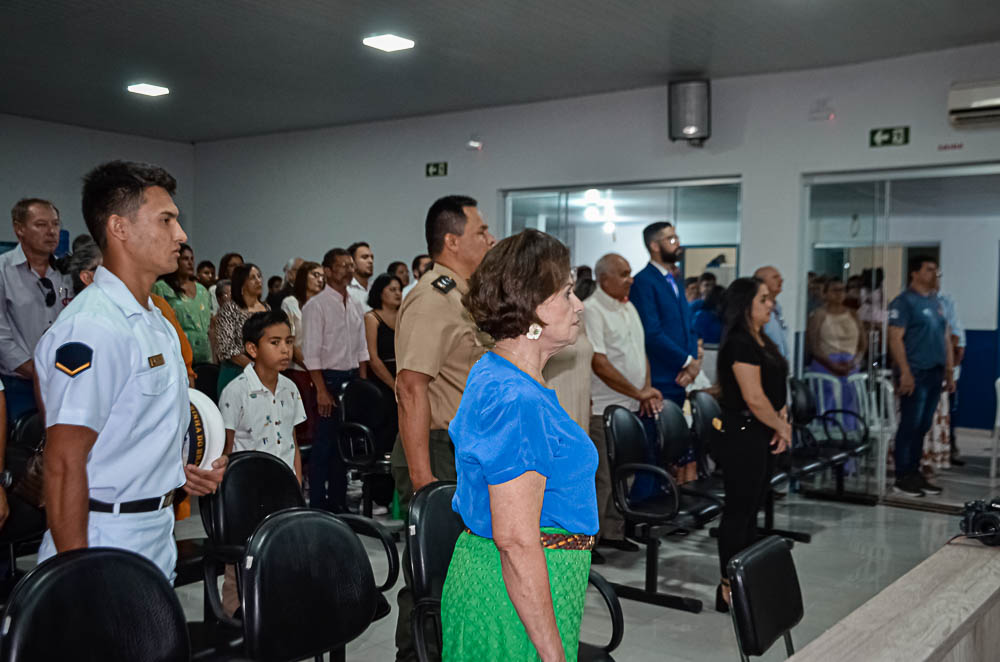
x=851 y=267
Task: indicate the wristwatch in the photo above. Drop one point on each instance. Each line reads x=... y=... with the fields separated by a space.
x=6 y=478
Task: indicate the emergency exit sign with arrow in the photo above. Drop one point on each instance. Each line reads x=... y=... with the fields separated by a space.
x=892 y=136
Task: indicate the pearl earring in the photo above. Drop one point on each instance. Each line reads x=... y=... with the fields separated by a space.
x=534 y=331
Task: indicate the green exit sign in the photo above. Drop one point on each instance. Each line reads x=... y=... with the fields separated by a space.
x=436 y=169
x=892 y=136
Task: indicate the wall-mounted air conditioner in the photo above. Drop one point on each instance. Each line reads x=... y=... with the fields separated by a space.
x=974 y=104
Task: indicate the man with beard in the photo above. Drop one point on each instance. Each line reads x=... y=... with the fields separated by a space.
x=671 y=345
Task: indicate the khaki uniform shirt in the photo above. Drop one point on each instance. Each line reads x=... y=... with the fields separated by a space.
x=436 y=336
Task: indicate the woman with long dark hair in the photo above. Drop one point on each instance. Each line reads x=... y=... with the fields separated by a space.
x=191 y=303
x=309 y=281
x=248 y=284
x=227 y=264
x=752 y=376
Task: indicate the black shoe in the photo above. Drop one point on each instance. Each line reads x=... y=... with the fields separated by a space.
x=956 y=461
x=909 y=485
x=720 y=604
x=928 y=487
x=596 y=558
x=623 y=544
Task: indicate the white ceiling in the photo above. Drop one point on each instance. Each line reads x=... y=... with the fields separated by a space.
x=243 y=67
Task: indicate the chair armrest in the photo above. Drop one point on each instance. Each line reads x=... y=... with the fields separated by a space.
x=614 y=606
x=424 y=609
x=829 y=416
x=212 y=596
x=349 y=437
x=619 y=484
x=367 y=527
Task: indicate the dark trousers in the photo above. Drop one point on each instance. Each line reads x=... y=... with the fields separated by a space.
x=327 y=471
x=744 y=452
x=916 y=415
x=20 y=395
x=442 y=455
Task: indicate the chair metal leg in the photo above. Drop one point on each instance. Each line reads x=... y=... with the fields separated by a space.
x=993 y=455
x=788 y=644
x=650 y=594
x=739 y=643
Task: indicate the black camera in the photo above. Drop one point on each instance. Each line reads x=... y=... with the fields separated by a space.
x=981 y=520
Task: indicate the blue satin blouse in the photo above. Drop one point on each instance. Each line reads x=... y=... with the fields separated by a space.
x=507 y=424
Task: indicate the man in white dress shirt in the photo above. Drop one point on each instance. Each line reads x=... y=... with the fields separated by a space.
x=621 y=376
x=335 y=352
x=364 y=267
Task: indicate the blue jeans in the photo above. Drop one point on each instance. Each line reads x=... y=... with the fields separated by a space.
x=327 y=471
x=20 y=395
x=916 y=415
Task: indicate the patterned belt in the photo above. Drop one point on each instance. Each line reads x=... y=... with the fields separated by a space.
x=571 y=541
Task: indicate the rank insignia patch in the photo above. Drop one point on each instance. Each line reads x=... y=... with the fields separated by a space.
x=74 y=358
x=444 y=284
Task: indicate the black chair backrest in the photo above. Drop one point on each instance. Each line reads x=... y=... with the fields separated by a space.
x=434 y=529
x=675 y=435
x=206 y=379
x=255 y=485
x=361 y=402
x=802 y=405
x=626 y=437
x=704 y=410
x=94 y=605
x=766 y=598
x=308 y=586
x=25 y=437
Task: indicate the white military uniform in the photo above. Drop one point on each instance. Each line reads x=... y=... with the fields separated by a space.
x=113 y=366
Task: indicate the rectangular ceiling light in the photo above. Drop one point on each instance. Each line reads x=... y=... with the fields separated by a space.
x=148 y=90
x=388 y=42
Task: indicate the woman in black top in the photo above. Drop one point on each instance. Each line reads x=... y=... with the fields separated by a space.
x=755 y=426
x=384 y=299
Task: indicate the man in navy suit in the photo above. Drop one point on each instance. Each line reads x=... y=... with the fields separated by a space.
x=671 y=345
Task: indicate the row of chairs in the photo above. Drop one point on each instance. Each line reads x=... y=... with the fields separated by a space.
x=305 y=581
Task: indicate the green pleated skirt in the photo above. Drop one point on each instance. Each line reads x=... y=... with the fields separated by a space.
x=478 y=620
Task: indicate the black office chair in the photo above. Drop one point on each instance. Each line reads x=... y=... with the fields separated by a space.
x=363 y=430
x=668 y=512
x=206 y=379
x=766 y=598
x=433 y=530
x=25 y=525
x=704 y=410
x=834 y=445
x=94 y=605
x=308 y=587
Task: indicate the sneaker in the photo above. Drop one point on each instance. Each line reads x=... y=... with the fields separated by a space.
x=928 y=487
x=378 y=511
x=908 y=486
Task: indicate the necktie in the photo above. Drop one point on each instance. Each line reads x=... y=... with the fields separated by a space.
x=673 y=283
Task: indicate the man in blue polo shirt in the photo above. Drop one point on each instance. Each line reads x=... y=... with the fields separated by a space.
x=920 y=347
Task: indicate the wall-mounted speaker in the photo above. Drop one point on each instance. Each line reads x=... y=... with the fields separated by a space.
x=689 y=103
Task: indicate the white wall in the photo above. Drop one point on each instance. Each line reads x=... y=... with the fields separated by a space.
x=48 y=160
x=300 y=193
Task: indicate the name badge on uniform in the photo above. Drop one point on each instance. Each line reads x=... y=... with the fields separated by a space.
x=156 y=361
x=444 y=284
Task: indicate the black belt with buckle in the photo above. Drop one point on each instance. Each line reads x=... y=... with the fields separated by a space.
x=137 y=506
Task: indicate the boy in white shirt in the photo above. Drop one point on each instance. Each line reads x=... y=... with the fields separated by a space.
x=261 y=407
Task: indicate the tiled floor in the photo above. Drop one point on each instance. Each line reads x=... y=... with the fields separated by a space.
x=856 y=552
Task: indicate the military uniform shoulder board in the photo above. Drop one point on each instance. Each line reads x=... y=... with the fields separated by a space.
x=444 y=284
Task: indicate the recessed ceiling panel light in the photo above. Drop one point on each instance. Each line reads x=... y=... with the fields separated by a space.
x=148 y=90
x=388 y=42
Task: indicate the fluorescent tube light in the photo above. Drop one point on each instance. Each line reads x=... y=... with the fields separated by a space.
x=148 y=90
x=388 y=42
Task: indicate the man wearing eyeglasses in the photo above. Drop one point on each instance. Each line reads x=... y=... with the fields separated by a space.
x=32 y=294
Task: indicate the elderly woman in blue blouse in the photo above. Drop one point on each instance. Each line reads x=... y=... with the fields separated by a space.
x=516 y=584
